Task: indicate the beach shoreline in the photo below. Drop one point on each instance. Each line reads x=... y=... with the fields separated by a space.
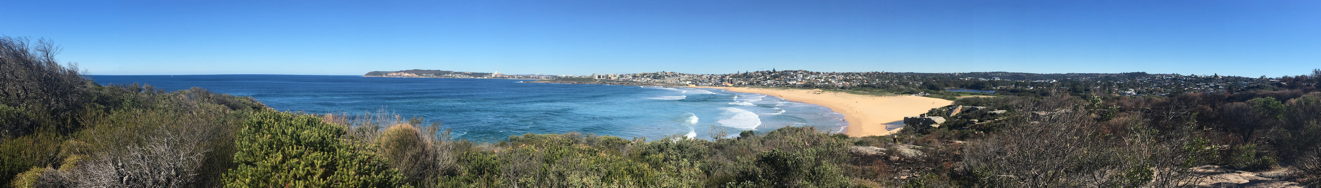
x=866 y=115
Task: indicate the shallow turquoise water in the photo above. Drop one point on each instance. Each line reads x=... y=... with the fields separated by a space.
x=486 y=110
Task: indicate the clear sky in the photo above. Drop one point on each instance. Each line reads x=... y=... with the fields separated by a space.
x=1238 y=37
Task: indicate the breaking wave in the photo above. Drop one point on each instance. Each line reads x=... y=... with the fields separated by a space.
x=661 y=88
x=740 y=119
x=741 y=103
x=692 y=119
x=670 y=98
x=699 y=92
x=747 y=100
x=692 y=133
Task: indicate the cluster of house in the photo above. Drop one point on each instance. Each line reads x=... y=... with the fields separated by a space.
x=1130 y=84
x=772 y=78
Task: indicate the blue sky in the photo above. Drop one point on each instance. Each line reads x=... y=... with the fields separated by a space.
x=1248 y=38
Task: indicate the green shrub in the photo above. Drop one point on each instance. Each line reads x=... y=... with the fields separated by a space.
x=1268 y=107
x=410 y=151
x=40 y=177
x=1136 y=177
x=16 y=121
x=23 y=153
x=29 y=178
x=790 y=169
x=1248 y=157
x=479 y=169
x=683 y=159
x=280 y=149
x=929 y=180
x=790 y=156
x=573 y=160
x=1200 y=151
x=1299 y=135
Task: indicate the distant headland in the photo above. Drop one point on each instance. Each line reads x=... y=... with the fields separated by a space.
x=421 y=73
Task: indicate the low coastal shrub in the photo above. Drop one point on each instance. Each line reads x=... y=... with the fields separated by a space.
x=412 y=152
x=1248 y=157
x=32 y=151
x=281 y=149
x=30 y=178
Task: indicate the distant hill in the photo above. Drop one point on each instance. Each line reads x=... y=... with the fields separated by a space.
x=420 y=73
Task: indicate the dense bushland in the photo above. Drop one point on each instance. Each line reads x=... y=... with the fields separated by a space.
x=62 y=130
x=789 y=157
x=37 y=92
x=1128 y=141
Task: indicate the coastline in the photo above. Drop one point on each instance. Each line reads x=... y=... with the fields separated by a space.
x=411 y=77
x=867 y=115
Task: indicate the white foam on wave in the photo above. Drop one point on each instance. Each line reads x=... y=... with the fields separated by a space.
x=692 y=133
x=663 y=88
x=754 y=98
x=748 y=100
x=699 y=92
x=670 y=98
x=741 y=103
x=780 y=111
x=692 y=124
x=740 y=119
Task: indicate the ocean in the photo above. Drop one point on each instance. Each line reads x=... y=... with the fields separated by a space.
x=490 y=110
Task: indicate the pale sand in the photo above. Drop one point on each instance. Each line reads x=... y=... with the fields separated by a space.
x=866 y=114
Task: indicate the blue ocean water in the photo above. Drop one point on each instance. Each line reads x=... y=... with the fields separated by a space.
x=487 y=110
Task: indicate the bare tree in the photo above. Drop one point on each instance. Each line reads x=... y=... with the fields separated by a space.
x=34 y=81
x=168 y=160
x=170 y=157
x=1309 y=167
x=166 y=148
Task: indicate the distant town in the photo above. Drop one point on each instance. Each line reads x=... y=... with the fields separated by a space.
x=1125 y=84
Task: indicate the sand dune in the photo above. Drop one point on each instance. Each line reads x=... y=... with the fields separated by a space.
x=866 y=114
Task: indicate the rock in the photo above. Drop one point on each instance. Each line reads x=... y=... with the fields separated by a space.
x=1040 y=114
x=867 y=150
x=923 y=121
x=936 y=121
x=907 y=151
x=955 y=111
x=1217 y=176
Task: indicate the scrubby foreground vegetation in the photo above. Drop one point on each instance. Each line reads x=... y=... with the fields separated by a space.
x=62 y=130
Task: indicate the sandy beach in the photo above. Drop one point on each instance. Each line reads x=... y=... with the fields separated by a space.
x=866 y=114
